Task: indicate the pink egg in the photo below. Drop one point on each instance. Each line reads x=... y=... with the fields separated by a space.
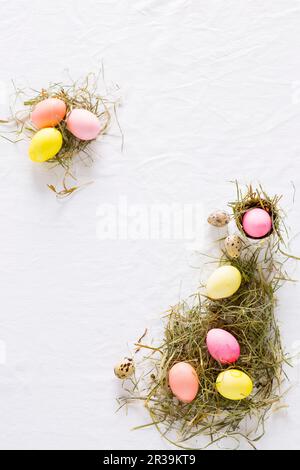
x=257 y=223
x=222 y=346
x=83 y=124
x=48 y=113
x=184 y=382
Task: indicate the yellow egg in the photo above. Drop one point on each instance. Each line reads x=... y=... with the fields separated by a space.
x=45 y=144
x=234 y=384
x=223 y=282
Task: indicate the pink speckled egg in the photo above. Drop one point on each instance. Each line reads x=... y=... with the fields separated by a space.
x=184 y=382
x=48 y=113
x=222 y=346
x=83 y=124
x=257 y=223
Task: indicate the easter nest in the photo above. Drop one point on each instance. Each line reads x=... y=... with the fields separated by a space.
x=249 y=315
x=81 y=94
x=258 y=198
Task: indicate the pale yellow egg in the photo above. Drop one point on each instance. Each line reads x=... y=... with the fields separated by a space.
x=234 y=384
x=223 y=282
x=45 y=144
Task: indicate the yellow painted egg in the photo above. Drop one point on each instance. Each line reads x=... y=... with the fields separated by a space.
x=223 y=282
x=234 y=384
x=45 y=144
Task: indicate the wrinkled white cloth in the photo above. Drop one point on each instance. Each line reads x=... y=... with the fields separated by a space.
x=211 y=93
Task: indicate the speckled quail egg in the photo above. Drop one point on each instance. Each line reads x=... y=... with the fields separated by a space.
x=233 y=246
x=125 y=368
x=219 y=219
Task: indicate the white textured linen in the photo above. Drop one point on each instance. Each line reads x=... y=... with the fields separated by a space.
x=211 y=93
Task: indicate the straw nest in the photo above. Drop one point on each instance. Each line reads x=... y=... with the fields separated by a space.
x=250 y=316
x=82 y=94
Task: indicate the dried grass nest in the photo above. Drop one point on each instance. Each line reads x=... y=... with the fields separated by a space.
x=78 y=94
x=250 y=316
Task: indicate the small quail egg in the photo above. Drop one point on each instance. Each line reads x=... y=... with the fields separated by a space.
x=233 y=246
x=219 y=219
x=125 y=368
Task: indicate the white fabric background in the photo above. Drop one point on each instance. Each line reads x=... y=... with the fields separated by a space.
x=211 y=92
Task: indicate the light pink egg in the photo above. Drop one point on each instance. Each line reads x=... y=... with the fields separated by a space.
x=257 y=223
x=222 y=346
x=184 y=382
x=48 y=113
x=83 y=124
